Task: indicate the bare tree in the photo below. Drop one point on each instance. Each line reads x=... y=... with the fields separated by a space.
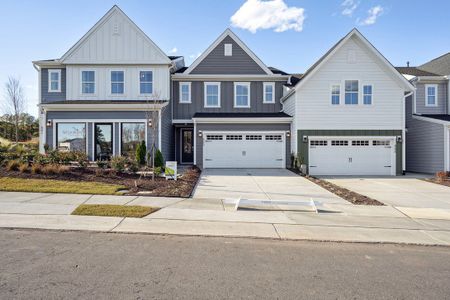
x=14 y=101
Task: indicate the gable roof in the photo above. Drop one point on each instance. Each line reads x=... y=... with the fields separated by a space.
x=439 y=65
x=114 y=10
x=338 y=45
x=415 y=71
x=241 y=44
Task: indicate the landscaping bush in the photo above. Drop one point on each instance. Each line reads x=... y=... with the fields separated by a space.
x=36 y=168
x=158 y=171
x=13 y=165
x=441 y=176
x=54 y=169
x=159 y=159
x=102 y=164
x=23 y=167
x=141 y=151
x=41 y=159
x=133 y=166
x=118 y=163
x=81 y=158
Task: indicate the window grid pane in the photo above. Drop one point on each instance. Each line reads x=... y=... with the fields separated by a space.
x=88 y=82
x=146 y=82
x=242 y=95
x=212 y=95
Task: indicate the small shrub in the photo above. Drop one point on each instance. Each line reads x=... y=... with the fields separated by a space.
x=23 y=167
x=102 y=164
x=141 y=151
x=159 y=159
x=13 y=165
x=36 y=168
x=118 y=163
x=441 y=176
x=81 y=158
x=41 y=159
x=158 y=171
x=133 y=166
x=54 y=169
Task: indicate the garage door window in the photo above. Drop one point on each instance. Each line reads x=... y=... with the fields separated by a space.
x=360 y=143
x=273 y=137
x=319 y=143
x=213 y=137
x=235 y=137
x=381 y=143
x=253 y=137
x=339 y=143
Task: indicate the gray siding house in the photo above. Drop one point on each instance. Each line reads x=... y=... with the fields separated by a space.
x=226 y=109
x=427 y=116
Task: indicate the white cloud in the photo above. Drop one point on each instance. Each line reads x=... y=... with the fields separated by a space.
x=257 y=14
x=173 y=50
x=348 y=7
x=373 y=14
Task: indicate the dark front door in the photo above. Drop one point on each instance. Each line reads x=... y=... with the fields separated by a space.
x=103 y=141
x=187 y=146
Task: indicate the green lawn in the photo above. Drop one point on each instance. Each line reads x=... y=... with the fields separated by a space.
x=107 y=210
x=57 y=186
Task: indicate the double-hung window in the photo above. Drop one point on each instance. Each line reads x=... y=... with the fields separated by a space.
x=335 y=94
x=269 y=91
x=185 y=92
x=88 y=82
x=242 y=94
x=367 y=94
x=146 y=82
x=431 y=95
x=212 y=94
x=351 y=92
x=54 y=81
x=117 y=82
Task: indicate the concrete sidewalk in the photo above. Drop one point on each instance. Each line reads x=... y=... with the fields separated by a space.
x=210 y=217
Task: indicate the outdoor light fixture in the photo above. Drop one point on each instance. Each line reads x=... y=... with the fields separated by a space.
x=288 y=133
x=200 y=133
x=305 y=139
x=150 y=124
x=49 y=123
x=399 y=139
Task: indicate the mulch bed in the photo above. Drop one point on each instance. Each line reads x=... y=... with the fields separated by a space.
x=344 y=193
x=161 y=187
x=445 y=182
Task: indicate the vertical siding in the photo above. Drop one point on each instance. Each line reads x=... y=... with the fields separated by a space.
x=441 y=108
x=187 y=110
x=289 y=108
x=167 y=134
x=424 y=144
x=217 y=63
x=47 y=97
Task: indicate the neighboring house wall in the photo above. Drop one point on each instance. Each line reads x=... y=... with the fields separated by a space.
x=442 y=101
x=239 y=127
x=238 y=63
x=48 y=97
x=187 y=110
x=289 y=108
x=424 y=144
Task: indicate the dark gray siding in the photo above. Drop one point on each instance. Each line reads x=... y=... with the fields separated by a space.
x=167 y=134
x=303 y=146
x=52 y=97
x=442 y=99
x=217 y=63
x=240 y=127
x=187 y=110
x=424 y=144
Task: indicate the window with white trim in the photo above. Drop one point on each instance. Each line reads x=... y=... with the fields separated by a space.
x=54 y=81
x=242 y=94
x=269 y=92
x=228 y=49
x=367 y=94
x=117 y=82
x=146 y=82
x=351 y=92
x=431 y=95
x=88 y=82
x=335 y=94
x=185 y=92
x=212 y=94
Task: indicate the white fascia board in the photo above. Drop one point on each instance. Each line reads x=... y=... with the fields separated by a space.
x=100 y=107
x=431 y=120
x=242 y=120
x=241 y=44
x=195 y=77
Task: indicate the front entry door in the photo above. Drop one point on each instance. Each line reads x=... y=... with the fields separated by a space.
x=103 y=141
x=187 y=146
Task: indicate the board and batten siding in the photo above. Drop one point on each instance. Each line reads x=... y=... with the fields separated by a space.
x=238 y=63
x=187 y=110
x=289 y=108
x=48 y=97
x=442 y=101
x=314 y=96
x=424 y=144
x=161 y=82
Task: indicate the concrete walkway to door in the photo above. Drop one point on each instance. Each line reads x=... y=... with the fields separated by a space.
x=264 y=184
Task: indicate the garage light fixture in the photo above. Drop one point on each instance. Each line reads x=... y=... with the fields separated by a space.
x=305 y=139
x=49 y=123
x=399 y=139
x=200 y=133
x=288 y=133
x=150 y=123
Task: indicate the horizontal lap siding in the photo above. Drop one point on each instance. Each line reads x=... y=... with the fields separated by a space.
x=48 y=97
x=441 y=108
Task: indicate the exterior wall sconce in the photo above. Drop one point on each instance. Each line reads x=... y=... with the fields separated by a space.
x=288 y=133
x=49 y=123
x=305 y=139
x=200 y=133
x=399 y=139
x=150 y=123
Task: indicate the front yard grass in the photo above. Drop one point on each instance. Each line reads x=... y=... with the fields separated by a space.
x=107 y=210
x=10 y=184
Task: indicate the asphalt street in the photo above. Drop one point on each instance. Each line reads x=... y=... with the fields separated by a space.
x=82 y=265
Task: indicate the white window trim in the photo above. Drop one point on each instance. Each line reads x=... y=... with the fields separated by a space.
x=139 y=81
x=110 y=83
x=331 y=94
x=50 y=81
x=228 y=49
x=435 y=95
x=358 y=93
x=362 y=91
x=181 y=93
x=218 y=94
x=95 y=83
x=272 y=84
x=235 y=94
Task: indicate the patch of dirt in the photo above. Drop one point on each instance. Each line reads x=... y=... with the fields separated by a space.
x=160 y=187
x=344 y=193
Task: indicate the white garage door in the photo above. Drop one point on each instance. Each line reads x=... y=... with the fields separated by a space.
x=356 y=156
x=243 y=150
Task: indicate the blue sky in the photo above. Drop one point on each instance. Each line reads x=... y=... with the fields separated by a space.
x=298 y=33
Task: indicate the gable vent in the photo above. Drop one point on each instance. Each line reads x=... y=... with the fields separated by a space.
x=228 y=49
x=116 y=29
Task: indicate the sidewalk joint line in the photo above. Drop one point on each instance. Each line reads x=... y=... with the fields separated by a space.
x=131 y=200
x=120 y=222
x=87 y=199
x=276 y=231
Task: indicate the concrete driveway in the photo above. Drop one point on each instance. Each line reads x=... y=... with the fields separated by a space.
x=399 y=191
x=264 y=184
